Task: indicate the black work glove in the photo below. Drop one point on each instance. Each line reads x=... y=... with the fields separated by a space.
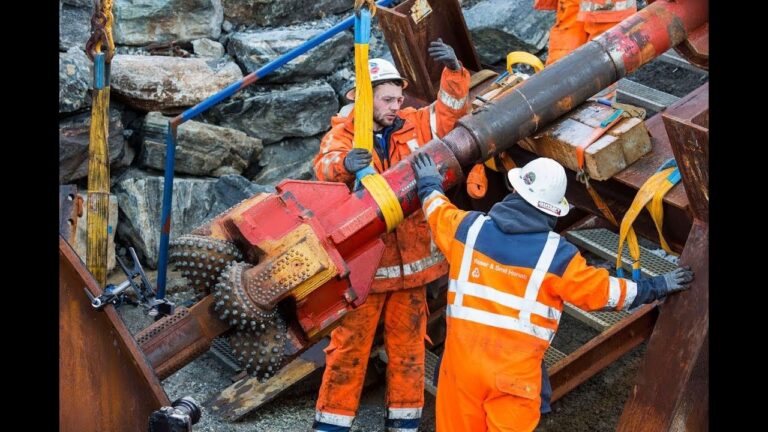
x=357 y=159
x=444 y=54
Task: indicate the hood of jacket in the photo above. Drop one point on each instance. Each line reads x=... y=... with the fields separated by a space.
x=513 y=215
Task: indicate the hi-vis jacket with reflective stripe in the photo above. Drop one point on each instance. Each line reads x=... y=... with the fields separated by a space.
x=510 y=272
x=410 y=258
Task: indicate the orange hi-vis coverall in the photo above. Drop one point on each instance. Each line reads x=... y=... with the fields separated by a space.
x=410 y=261
x=579 y=21
x=509 y=276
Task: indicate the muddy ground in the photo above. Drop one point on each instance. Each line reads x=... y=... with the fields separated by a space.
x=595 y=405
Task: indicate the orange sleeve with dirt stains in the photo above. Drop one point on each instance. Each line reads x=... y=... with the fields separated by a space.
x=329 y=161
x=451 y=103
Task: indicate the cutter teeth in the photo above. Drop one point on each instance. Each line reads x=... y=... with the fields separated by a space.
x=202 y=259
x=261 y=353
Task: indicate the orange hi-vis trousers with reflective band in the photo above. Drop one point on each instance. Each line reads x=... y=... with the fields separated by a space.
x=405 y=324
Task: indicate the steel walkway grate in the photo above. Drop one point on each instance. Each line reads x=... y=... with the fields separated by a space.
x=643 y=96
x=552 y=356
x=430 y=364
x=603 y=242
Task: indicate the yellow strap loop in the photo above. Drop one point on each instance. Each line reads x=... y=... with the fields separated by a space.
x=385 y=198
x=363 y=100
x=650 y=195
x=375 y=184
x=517 y=57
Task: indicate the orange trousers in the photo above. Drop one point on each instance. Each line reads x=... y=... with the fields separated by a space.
x=489 y=381
x=568 y=33
x=405 y=319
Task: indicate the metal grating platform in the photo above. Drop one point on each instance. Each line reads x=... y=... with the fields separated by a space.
x=603 y=242
x=643 y=96
x=552 y=356
x=430 y=364
x=597 y=320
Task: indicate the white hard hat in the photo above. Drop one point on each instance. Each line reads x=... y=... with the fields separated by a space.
x=380 y=70
x=541 y=182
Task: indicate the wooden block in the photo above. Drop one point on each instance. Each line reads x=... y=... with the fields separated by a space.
x=623 y=144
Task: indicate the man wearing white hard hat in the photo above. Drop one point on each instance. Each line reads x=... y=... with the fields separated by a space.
x=509 y=276
x=410 y=259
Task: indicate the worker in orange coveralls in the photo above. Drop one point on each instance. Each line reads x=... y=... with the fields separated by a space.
x=410 y=259
x=509 y=276
x=579 y=21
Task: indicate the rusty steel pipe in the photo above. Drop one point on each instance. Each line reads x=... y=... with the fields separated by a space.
x=573 y=79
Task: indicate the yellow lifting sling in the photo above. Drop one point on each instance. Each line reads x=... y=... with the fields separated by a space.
x=371 y=180
x=100 y=48
x=650 y=196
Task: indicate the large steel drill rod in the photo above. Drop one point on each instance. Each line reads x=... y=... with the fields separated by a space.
x=555 y=90
x=570 y=81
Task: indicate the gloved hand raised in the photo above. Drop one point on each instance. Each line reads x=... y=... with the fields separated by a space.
x=357 y=159
x=678 y=279
x=443 y=53
x=424 y=166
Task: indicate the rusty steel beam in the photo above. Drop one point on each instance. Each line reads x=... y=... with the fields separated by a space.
x=175 y=340
x=687 y=126
x=692 y=413
x=677 y=342
x=408 y=41
x=695 y=49
x=105 y=382
x=602 y=350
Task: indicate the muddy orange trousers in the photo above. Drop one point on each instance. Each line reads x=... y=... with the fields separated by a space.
x=405 y=317
x=488 y=381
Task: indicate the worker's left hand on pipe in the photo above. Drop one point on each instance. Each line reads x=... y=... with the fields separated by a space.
x=443 y=53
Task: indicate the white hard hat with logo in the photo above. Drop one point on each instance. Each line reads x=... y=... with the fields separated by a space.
x=542 y=182
x=380 y=70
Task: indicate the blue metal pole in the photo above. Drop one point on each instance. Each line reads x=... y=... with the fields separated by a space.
x=165 y=228
x=170 y=139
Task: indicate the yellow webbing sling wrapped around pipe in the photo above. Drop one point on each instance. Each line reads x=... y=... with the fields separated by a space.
x=371 y=180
